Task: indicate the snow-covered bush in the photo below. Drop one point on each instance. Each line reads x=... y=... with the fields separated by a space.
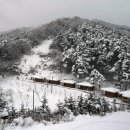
x=26 y=122
x=2 y=101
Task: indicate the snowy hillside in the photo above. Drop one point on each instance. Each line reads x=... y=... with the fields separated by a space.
x=39 y=61
x=32 y=60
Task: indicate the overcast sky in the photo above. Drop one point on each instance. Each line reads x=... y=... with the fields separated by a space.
x=19 y=13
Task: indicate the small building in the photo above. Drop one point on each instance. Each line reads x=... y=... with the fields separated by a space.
x=53 y=81
x=37 y=78
x=125 y=95
x=68 y=83
x=85 y=86
x=110 y=92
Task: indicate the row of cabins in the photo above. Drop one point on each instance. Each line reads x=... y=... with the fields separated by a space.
x=107 y=91
x=66 y=83
x=116 y=93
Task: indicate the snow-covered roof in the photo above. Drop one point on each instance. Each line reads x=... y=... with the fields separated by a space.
x=87 y=84
x=37 y=76
x=54 y=79
x=125 y=93
x=68 y=81
x=111 y=89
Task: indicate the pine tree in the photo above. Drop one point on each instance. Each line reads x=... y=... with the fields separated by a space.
x=23 y=111
x=45 y=109
x=2 y=102
x=80 y=106
x=114 y=105
x=61 y=108
x=71 y=104
x=61 y=111
x=85 y=106
x=105 y=106
x=12 y=114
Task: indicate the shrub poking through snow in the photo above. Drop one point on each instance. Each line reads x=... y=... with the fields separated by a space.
x=23 y=122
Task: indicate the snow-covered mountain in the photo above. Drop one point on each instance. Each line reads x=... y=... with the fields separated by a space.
x=67 y=48
x=79 y=46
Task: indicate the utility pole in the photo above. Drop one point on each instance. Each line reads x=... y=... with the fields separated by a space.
x=33 y=102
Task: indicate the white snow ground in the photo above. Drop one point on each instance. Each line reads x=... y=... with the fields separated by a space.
x=114 y=121
x=20 y=91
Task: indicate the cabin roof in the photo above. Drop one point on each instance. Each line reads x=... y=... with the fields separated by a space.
x=125 y=93
x=87 y=84
x=54 y=79
x=111 y=89
x=37 y=76
x=68 y=81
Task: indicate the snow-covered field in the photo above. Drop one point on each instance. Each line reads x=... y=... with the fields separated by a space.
x=114 y=121
x=20 y=91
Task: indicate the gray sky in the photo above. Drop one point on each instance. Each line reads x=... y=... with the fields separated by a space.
x=19 y=13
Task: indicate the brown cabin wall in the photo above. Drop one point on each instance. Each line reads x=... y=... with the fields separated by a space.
x=69 y=85
x=53 y=82
x=125 y=99
x=110 y=94
x=38 y=80
x=86 y=88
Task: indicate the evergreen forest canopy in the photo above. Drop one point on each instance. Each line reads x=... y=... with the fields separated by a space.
x=83 y=45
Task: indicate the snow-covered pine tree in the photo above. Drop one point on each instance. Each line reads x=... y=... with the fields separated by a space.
x=105 y=106
x=2 y=102
x=80 y=106
x=71 y=104
x=97 y=77
x=12 y=114
x=114 y=105
x=85 y=106
x=45 y=110
x=23 y=111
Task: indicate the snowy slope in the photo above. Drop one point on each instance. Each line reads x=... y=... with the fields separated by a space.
x=30 y=61
x=114 y=121
x=41 y=64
